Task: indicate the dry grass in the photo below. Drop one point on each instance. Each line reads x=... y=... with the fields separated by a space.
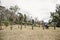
x=29 y=34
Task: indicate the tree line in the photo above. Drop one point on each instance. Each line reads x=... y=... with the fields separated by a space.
x=55 y=17
x=10 y=16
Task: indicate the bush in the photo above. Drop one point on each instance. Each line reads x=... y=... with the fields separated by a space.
x=6 y=23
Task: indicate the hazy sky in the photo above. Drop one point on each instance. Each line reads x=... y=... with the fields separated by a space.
x=38 y=8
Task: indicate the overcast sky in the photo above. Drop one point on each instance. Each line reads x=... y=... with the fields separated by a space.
x=36 y=8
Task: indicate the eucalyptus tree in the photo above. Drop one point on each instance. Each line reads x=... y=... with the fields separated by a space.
x=56 y=16
x=13 y=10
x=54 y=20
x=0 y=21
x=42 y=23
x=20 y=19
x=32 y=23
x=6 y=23
x=39 y=23
x=1 y=16
x=11 y=21
x=25 y=20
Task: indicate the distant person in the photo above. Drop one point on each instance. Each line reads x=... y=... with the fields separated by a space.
x=46 y=25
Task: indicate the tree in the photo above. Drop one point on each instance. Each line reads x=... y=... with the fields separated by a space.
x=0 y=25
x=32 y=23
x=14 y=8
x=6 y=23
x=1 y=16
x=25 y=20
x=39 y=23
x=56 y=17
x=42 y=23
x=20 y=19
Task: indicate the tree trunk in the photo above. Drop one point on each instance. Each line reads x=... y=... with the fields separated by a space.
x=43 y=27
x=18 y=26
x=54 y=27
x=32 y=27
x=21 y=26
x=25 y=25
x=11 y=27
x=39 y=25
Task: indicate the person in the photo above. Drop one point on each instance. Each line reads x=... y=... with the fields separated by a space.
x=46 y=25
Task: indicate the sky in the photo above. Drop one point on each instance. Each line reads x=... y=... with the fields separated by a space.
x=36 y=8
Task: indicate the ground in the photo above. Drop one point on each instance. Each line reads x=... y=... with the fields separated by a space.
x=28 y=34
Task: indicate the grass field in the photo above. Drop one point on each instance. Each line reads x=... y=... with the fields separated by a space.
x=28 y=34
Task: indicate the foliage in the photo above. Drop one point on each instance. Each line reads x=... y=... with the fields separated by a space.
x=56 y=16
x=6 y=23
x=9 y=16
